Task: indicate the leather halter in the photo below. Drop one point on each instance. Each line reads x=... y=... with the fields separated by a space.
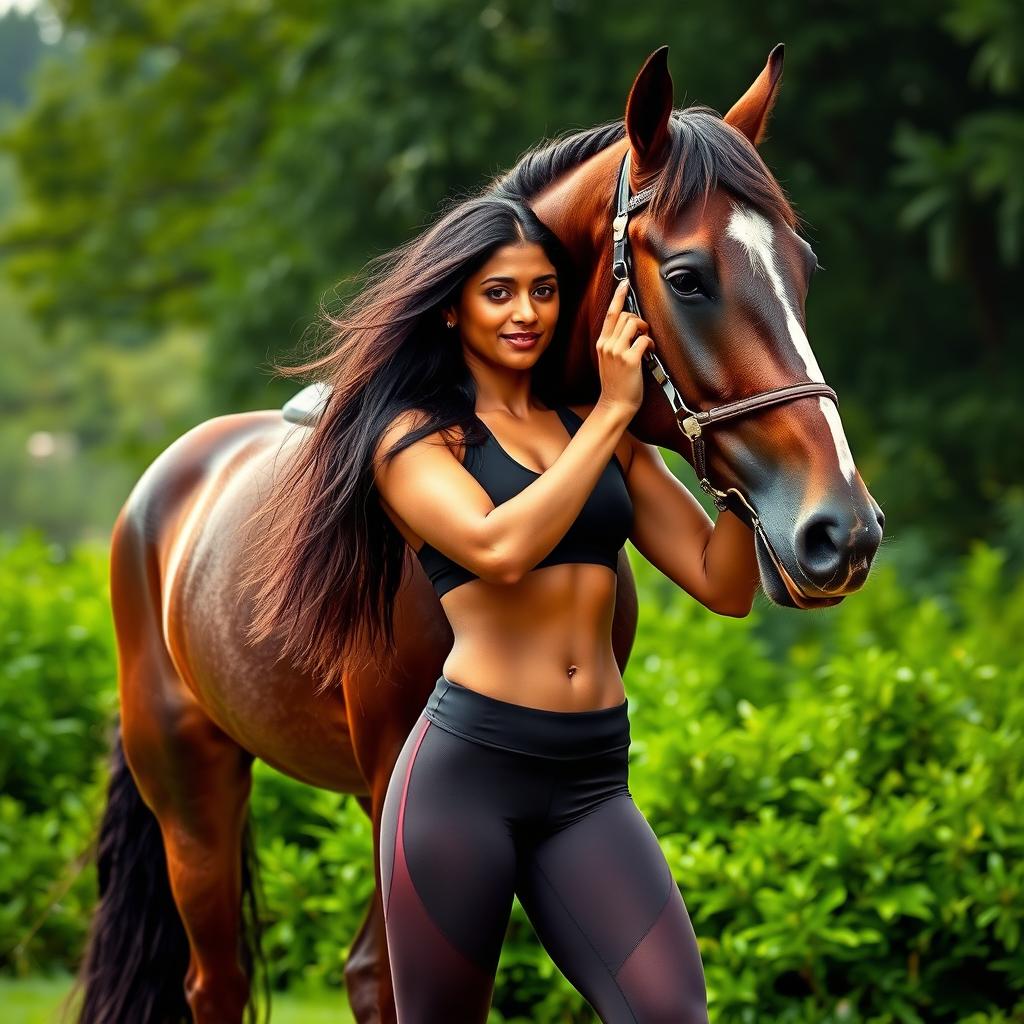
x=692 y=422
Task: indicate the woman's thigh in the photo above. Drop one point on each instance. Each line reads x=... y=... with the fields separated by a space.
x=447 y=873
x=603 y=901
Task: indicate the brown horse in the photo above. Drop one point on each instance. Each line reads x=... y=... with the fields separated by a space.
x=198 y=705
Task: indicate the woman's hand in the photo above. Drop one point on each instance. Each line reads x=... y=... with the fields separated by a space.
x=620 y=349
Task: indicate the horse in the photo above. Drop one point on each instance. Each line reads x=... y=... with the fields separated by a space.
x=173 y=936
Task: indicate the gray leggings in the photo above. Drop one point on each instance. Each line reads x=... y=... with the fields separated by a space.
x=490 y=798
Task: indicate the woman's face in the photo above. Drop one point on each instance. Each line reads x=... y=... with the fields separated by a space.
x=515 y=293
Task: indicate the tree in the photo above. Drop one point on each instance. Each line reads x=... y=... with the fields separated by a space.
x=223 y=167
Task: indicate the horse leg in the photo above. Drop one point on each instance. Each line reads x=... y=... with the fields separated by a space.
x=172 y=852
x=137 y=951
x=367 y=974
x=197 y=782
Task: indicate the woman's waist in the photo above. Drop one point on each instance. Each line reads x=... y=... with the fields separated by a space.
x=538 y=679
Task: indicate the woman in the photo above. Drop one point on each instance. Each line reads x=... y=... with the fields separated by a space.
x=444 y=413
x=514 y=779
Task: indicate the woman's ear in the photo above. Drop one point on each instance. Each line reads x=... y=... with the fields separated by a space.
x=448 y=317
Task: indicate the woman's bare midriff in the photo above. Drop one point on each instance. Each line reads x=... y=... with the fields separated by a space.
x=544 y=642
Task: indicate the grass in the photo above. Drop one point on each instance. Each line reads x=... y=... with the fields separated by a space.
x=37 y=1001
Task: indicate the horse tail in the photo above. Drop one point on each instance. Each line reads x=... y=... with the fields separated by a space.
x=137 y=951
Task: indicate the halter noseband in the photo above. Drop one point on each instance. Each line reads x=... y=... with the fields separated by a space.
x=692 y=422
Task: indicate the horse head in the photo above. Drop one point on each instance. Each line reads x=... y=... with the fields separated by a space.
x=721 y=274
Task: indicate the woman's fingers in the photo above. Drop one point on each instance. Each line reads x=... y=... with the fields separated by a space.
x=615 y=307
x=626 y=329
x=620 y=348
x=634 y=355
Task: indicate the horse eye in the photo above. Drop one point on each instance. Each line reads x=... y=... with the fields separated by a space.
x=685 y=283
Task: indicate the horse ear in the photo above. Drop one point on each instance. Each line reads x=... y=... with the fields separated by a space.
x=648 y=110
x=749 y=114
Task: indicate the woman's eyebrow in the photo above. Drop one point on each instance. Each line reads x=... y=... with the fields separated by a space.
x=512 y=280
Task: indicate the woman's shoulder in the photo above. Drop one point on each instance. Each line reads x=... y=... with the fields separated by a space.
x=408 y=420
x=400 y=424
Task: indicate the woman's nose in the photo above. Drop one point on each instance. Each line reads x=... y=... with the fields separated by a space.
x=525 y=313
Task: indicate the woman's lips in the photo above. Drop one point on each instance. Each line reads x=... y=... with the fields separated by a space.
x=521 y=341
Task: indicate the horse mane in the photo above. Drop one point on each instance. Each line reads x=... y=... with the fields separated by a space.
x=704 y=153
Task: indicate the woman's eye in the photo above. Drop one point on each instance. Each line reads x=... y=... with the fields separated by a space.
x=497 y=294
x=685 y=283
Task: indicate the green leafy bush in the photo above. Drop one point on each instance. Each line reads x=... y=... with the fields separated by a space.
x=842 y=817
x=57 y=694
x=844 y=821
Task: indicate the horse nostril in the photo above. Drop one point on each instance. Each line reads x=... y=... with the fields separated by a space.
x=881 y=519
x=833 y=543
x=819 y=547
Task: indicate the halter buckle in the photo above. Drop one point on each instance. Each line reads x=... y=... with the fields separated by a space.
x=691 y=428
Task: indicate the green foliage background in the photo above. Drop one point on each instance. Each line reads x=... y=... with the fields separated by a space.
x=181 y=186
x=844 y=821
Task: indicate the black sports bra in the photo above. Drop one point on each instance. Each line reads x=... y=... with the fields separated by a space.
x=596 y=536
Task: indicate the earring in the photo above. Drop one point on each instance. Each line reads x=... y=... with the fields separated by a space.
x=451 y=323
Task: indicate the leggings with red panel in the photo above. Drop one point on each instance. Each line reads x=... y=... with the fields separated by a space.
x=489 y=799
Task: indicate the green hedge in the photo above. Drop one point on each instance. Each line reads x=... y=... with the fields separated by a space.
x=845 y=823
x=57 y=691
x=844 y=820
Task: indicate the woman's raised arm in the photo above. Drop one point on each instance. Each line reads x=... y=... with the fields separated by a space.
x=430 y=490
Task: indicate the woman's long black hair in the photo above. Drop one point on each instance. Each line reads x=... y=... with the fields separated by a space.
x=324 y=562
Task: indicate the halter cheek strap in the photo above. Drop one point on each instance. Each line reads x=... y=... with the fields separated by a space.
x=693 y=422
